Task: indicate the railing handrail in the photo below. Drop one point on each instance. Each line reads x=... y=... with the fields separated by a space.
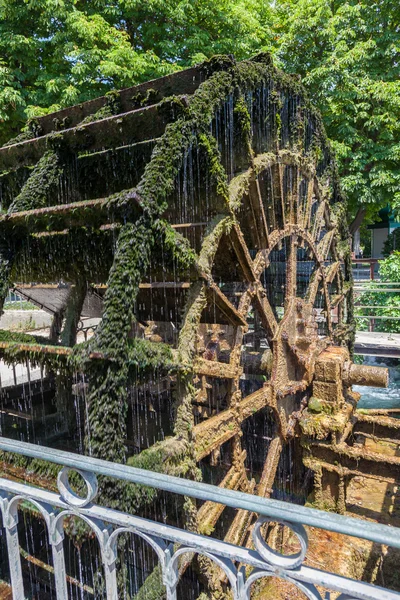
x=266 y=507
x=365 y=261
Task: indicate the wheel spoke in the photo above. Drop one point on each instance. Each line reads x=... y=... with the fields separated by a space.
x=318 y=220
x=225 y=305
x=291 y=269
x=324 y=245
x=212 y=368
x=266 y=313
x=217 y=430
x=313 y=286
x=209 y=513
x=306 y=218
x=332 y=271
x=264 y=487
x=258 y=207
x=239 y=528
x=242 y=253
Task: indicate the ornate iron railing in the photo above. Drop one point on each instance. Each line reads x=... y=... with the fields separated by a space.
x=170 y=543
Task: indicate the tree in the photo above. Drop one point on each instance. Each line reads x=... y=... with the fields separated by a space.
x=348 y=54
x=55 y=53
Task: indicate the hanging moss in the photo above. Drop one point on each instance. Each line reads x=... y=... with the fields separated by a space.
x=216 y=171
x=176 y=246
x=21 y=338
x=110 y=108
x=43 y=183
x=149 y=96
x=21 y=137
x=242 y=131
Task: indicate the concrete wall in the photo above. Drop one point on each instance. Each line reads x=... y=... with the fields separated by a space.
x=25 y=320
x=379 y=236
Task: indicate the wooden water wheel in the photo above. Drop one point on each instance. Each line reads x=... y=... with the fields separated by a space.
x=204 y=211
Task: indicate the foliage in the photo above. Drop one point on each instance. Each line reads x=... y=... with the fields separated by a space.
x=61 y=52
x=387 y=304
x=389 y=269
x=20 y=305
x=348 y=54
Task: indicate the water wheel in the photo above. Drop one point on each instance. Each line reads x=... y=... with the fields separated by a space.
x=250 y=187
x=272 y=292
x=203 y=210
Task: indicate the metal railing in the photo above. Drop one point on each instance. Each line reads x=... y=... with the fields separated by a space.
x=365 y=269
x=169 y=542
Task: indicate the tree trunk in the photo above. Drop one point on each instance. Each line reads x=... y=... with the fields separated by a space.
x=358 y=219
x=356 y=243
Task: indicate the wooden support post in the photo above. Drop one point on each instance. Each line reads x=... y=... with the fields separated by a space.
x=64 y=397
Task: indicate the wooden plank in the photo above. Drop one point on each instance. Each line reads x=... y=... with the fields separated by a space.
x=377 y=290
x=156 y=285
x=63 y=216
x=119 y=130
x=212 y=368
x=377 y=317
x=242 y=253
x=183 y=82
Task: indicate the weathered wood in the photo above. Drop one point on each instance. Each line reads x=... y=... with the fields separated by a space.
x=76 y=214
x=217 y=430
x=183 y=82
x=119 y=130
x=216 y=369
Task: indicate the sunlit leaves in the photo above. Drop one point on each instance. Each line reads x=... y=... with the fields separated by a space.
x=349 y=55
x=60 y=52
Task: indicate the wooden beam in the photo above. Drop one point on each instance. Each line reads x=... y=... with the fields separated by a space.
x=258 y=209
x=212 y=368
x=215 y=431
x=118 y=130
x=324 y=245
x=182 y=82
x=266 y=313
x=264 y=488
x=242 y=253
x=332 y=271
x=209 y=512
x=225 y=306
x=94 y=212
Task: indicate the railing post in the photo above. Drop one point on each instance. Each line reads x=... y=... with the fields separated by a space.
x=108 y=556
x=56 y=535
x=10 y=522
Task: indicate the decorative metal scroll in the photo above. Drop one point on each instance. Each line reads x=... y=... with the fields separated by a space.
x=169 y=543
